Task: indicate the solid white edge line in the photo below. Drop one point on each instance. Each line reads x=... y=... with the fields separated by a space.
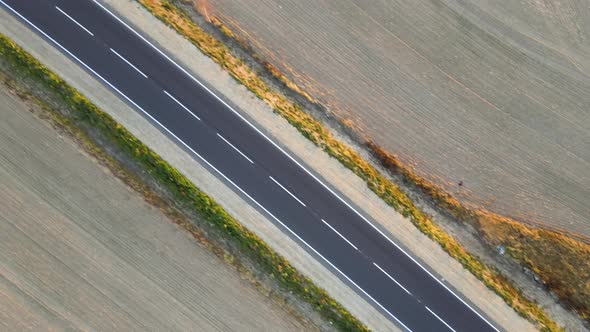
x=392 y=278
x=295 y=161
x=129 y=63
x=285 y=189
x=240 y=152
x=342 y=236
x=435 y=315
x=72 y=19
x=181 y=105
x=209 y=164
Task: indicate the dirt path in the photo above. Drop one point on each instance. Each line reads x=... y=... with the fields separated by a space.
x=80 y=250
x=490 y=93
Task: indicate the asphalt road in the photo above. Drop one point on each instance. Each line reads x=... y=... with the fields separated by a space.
x=218 y=136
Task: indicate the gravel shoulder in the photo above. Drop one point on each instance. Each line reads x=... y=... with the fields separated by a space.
x=79 y=250
x=161 y=144
x=398 y=228
x=333 y=172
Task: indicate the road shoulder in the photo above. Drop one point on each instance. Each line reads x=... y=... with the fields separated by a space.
x=251 y=218
x=401 y=230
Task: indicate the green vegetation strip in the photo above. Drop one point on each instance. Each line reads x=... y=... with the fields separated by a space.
x=315 y=132
x=181 y=188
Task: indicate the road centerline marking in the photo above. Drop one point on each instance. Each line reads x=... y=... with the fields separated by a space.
x=72 y=19
x=435 y=315
x=392 y=278
x=129 y=63
x=181 y=105
x=240 y=152
x=342 y=236
x=201 y=158
x=294 y=160
x=298 y=164
x=287 y=191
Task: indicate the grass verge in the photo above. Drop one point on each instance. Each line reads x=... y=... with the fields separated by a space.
x=561 y=263
x=182 y=190
x=390 y=193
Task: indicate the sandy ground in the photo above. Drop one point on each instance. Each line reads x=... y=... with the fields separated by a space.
x=80 y=250
x=491 y=93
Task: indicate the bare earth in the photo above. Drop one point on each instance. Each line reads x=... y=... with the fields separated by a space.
x=491 y=93
x=281 y=131
x=80 y=251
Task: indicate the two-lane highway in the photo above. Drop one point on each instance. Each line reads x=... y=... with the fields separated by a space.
x=218 y=136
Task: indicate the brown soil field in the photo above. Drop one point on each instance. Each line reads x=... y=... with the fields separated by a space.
x=492 y=95
x=79 y=250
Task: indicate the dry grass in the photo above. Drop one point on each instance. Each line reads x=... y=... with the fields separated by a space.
x=283 y=79
x=499 y=230
x=562 y=263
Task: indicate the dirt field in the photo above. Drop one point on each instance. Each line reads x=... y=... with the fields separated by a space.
x=493 y=94
x=81 y=251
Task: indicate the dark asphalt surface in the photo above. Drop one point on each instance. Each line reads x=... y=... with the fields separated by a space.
x=93 y=47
